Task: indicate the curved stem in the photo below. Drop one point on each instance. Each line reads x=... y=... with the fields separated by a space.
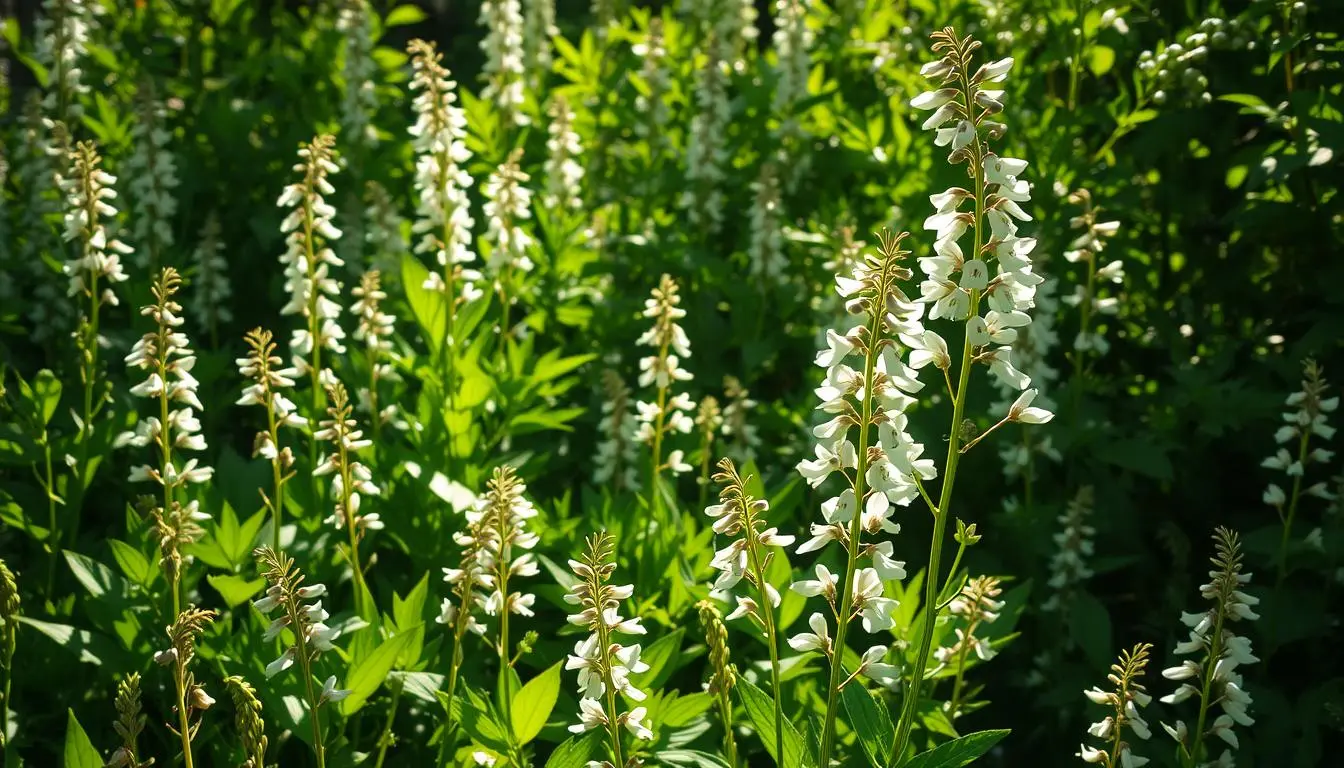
x=1293 y=498
x=385 y=739
x=613 y=724
x=183 y=718
x=768 y=613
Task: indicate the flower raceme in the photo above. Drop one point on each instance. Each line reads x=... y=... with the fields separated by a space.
x=605 y=665
x=1125 y=700
x=1306 y=418
x=668 y=413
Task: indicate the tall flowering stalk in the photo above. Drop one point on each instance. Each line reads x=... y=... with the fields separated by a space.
x=741 y=518
x=350 y=480
x=1124 y=700
x=383 y=231
x=308 y=259
x=617 y=452
x=1306 y=419
x=706 y=155
x=882 y=469
x=93 y=272
x=166 y=354
x=443 y=215
x=1086 y=297
x=504 y=70
x=359 y=100
x=564 y=172
x=766 y=251
x=708 y=420
x=212 y=289
x=965 y=106
x=192 y=700
x=668 y=413
x=269 y=380
x=62 y=34
x=458 y=611
x=374 y=329
x=311 y=637
x=793 y=64
x=500 y=517
x=724 y=675
x=151 y=174
x=743 y=437
x=653 y=70
x=507 y=204
x=538 y=29
x=605 y=665
x=1214 y=679
x=247 y=721
x=130 y=723
x=976 y=605
x=1069 y=565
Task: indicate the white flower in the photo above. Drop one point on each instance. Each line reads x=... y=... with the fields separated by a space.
x=152 y=181
x=766 y=250
x=359 y=100
x=508 y=204
x=1022 y=410
x=504 y=67
x=818 y=639
x=564 y=170
x=308 y=258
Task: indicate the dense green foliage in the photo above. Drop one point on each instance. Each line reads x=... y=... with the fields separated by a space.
x=490 y=367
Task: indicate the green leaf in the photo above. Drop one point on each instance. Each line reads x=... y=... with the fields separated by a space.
x=1100 y=59
x=79 y=751
x=479 y=720
x=661 y=658
x=47 y=388
x=958 y=752
x=235 y=589
x=427 y=306
x=88 y=647
x=132 y=562
x=408 y=616
x=870 y=720
x=576 y=751
x=404 y=15
x=365 y=676
x=95 y=577
x=532 y=705
x=1090 y=626
x=684 y=709
x=761 y=711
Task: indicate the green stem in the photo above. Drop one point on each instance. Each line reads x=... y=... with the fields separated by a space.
x=1292 y=507
x=1075 y=62
x=614 y=727
x=183 y=720
x=726 y=714
x=954 y=705
x=1215 y=651
x=768 y=613
x=50 y=487
x=385 y=740
x=346 y=491
x=277 y=502
x=837 y=673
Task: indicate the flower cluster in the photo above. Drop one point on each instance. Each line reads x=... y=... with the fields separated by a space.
x=304 y=620
x=130 y=723
x=152 y=174
x=88 y=188
x=1175 y=69
x=247 y=721
x=1069 y=564
x=564 y=173
x=503 y=47
x=743 y=437
x=181 y=651
x=706 y=155
x=211 y=287
x=466 y=579
x=1214 y=678
x=669 y=413
x=350 y=479
x=1086 y=248
x=614 y=461
x=62 y=39
x=166 y=354
x=603 y=663
x=508 y=203
x=1125 y=699
x=308 y=259
x=766 y=251
x=443 y=214
x=383 y=231
x=975 y=605
x=654 y=72
x=538 y=29
x=793 y=42
x=741 y=518
x=1031 y=355
x=954 y=285
x=374 y=329
x=359 y=101
x=500 y=519
x=269 y=380
x=1305 y=419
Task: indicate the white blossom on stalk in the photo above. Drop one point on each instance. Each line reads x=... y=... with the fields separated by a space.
x=1213 y=679
x=308 y=258
x=1124 y=702
x=269 y=381
x=793 y=66
x=466 y=580
x=668 y=413
x=350 y=480
x=508 y=203
x=1031 y=355
x=652 y=52
x=503 y=543
x=617 y=451
x=1305 y=418
x=210 y=279
x=374 y=330
x=706 y=154
x=602 y=662
x=538 y=29
x=974 y=605
x=891 y=460
x=504 y=69
x=383 y=232
x=1087 y=248
x=305 y=620
x=766 y=250
x=954 y=285
x=1069 y=566
x=151 y=174
x=732 y=21
x=743 y=437
x=62 y=32
x=97 y=267
x=359 y=101
x=741 y=518
x=443 y=213
x=165 y=353
x=564 y=173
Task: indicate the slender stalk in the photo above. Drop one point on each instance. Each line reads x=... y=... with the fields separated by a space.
x=314 y=710
x=183 y=721
x=1292 y=507
x=768 y=613
x=613 y=724
x=1215 y=652
x=385 y=740
x=932 y=591
x=277 y=502
x=837 y=674
x=49 y=485
x=502 y=580
x=954 y=705
x=1075 y=61
x=346 y=490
